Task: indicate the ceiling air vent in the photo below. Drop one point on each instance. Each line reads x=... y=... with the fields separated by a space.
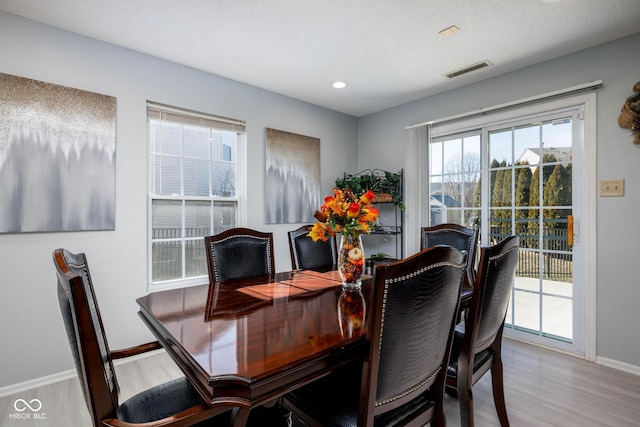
x=468 y=69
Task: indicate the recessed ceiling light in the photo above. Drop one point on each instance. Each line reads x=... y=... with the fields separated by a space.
x=449 y=31
x=339 y=84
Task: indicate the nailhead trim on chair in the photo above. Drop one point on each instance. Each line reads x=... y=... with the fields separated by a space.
x=384 y=307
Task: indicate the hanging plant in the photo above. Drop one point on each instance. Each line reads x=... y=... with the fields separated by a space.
x=386 y=185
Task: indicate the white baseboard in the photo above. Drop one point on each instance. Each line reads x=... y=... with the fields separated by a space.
x=37 y=382
x=616 y=364
x=62 y=376
x=611 y=363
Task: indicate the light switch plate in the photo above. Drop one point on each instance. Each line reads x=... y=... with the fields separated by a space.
x=612 y=188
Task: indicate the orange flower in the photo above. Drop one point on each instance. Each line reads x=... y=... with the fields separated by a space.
x=354 y=210
x=332 y=206
x=318 y=233
x=367 y=197
x=368 y=215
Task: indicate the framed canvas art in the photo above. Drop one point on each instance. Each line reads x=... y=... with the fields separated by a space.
x=57 y=157
x=292 y=177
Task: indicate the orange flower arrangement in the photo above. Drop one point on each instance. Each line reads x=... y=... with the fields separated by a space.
x=346 y=214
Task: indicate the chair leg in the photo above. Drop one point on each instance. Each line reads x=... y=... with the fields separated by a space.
x=438 y=419
x=465 y=400
x=239 y=416
x=498 y=392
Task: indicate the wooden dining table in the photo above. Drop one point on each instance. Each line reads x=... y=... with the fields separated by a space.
x=246 y=343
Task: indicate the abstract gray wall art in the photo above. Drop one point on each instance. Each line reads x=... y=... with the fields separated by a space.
x=57 y=157
x=292 y=177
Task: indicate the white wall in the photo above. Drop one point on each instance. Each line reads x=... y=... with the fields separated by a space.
x=381 y=143
x=31 y=331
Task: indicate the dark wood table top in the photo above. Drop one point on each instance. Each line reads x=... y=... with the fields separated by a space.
x=248 y=342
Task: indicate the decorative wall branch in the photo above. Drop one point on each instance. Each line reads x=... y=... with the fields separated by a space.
x=629 y=117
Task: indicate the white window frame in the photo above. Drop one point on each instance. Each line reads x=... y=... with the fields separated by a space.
x=240 y=194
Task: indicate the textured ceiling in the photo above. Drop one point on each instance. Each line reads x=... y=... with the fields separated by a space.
x=387 y=51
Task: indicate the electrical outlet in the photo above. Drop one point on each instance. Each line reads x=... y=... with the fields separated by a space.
x=612 y=188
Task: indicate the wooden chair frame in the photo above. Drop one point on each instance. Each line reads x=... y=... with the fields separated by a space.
x=486 y=316
x=88 y=340
x=432 y=277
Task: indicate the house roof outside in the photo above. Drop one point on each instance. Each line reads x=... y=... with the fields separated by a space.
x=532 y=155
x=438 y=199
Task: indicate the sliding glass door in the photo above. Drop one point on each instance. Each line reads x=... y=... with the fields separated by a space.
x=516 y=177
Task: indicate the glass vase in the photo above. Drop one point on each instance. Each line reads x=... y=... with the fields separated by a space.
x=352 y=310
x=351 y=261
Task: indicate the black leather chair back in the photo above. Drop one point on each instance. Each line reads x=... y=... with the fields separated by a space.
x=309 y=255
x=416 y=303
x=457 y=236
x=87 y=338
x=496 y=273
x=239 y=253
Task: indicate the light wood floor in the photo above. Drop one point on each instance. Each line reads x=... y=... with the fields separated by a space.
x=543 y=388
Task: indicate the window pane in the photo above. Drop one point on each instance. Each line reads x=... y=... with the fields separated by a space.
x=435 y=157
x=452 y=190
x=471 y=217
x=452 y=156
x=557 y=188
x=224 y=216
x=557 y=137
x=196 y=142
x=196 y=177
x=223 y=178
x=166 y=175
x=500 y=224
x=195 y=258
x=197 y=218
x=472 y=148
x=498 y=179
x=527 y=310
x=500 y=146
x=526 y=144
x=166 y=138
x=557 y=315
x=167 y=261
x=167 y=219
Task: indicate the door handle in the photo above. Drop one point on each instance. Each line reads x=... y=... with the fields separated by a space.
x=570 y=230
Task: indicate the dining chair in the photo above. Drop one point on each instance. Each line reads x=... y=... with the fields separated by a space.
x=239 y=253
x=477 y=345
x=175 y=403
x=309 y=255
x=462 y=238
x=408 y=340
